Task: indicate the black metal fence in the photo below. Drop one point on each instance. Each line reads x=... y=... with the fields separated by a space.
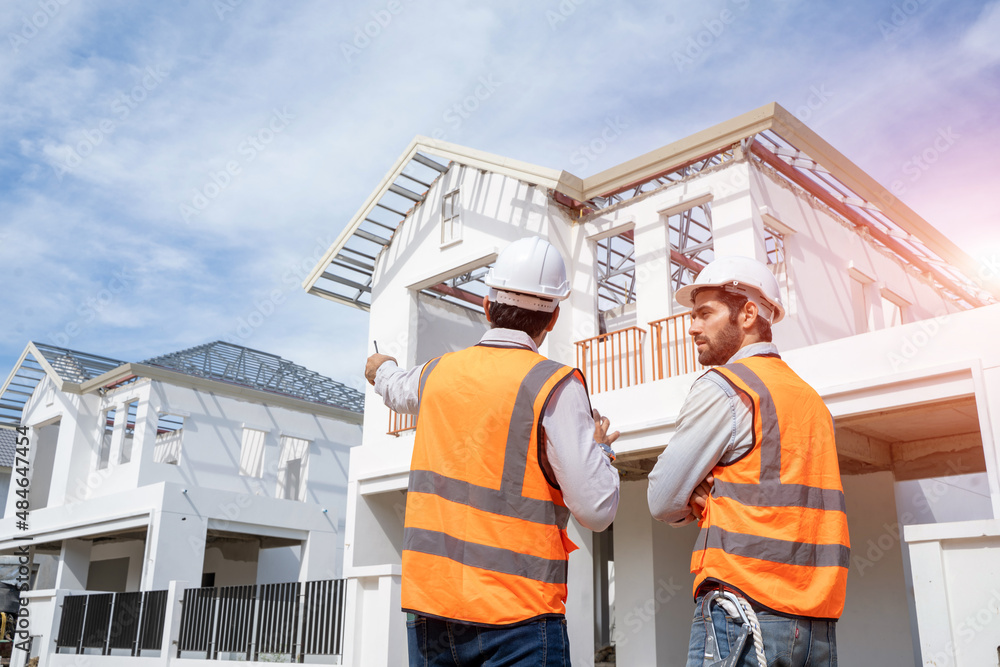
x=107 y=621
x=288 y=619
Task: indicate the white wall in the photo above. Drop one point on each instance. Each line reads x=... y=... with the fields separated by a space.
x=819 y=254
x=944 y=499
x=875 y=627
x=274 y=565
x=134 y=550
x=235 y=563
x=212 y=435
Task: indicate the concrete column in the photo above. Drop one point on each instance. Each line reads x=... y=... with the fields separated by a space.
x=577 y=314
x=73 y=474
x=175 y=550
x=62 y=465
x=352 y=649
x=672 y=592
x=733 y=230
x=172 y=619
x=635 y=604
x=375 y=629
x=930 y=595
x=74 y=564
x=48 y=633
x=875 y=626
x=580 y=596
x=988 y=387
x=321 y=557
x=653 y=298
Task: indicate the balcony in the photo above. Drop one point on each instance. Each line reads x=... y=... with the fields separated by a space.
x=617 y=359
x=612 y=360
x=400 y=423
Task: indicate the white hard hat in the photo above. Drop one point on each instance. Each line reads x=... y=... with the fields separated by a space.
x=529 y=274
x=741 y=275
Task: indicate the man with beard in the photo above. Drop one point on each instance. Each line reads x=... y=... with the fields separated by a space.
x=755 y=461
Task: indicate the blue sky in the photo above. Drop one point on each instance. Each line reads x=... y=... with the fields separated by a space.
x=170 y=171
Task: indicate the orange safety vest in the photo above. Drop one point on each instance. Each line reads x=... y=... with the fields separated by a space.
x=775 y=526
x=484 y=540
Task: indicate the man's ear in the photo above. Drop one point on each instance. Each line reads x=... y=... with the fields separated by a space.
x=750 y=314
x=552 y=322
x=486 y=308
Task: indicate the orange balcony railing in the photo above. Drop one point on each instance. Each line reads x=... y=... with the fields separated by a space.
x=612 y=360
x=674 y=351
x=398 y=423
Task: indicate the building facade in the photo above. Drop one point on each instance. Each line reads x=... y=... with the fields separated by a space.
x=886 y=318
x=211 y=467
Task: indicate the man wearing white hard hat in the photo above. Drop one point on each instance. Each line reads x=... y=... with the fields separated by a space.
x=754 y=460
x=507 y=447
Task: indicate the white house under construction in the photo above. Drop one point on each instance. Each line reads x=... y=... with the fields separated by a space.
x=887 y=319
x=216 y=475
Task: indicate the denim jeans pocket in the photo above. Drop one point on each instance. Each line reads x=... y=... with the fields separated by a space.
x=779 y=636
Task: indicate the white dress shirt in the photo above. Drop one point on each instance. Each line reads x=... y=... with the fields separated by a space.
x=715 y=425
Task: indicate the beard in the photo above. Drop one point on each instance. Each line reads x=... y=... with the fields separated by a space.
x=720 y=349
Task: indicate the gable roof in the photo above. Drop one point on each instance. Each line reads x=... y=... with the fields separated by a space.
x=770 y=136
x=66 y=368
x=254 y=374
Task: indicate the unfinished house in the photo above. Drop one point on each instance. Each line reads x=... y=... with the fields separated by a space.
x=887 y=319
x=216 y=475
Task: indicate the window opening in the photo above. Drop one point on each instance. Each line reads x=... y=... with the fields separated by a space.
x=615 y=281
x=292 y=468
x=774 y=244
x=863 y=305
x=894 y=309
x=131 y=410
x=466 y=290
x=691 y=243
x=451 y=222
x=169 y=431
x=252 y=453
x=108 y=430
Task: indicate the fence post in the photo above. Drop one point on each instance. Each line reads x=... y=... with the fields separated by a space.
x=172 y=619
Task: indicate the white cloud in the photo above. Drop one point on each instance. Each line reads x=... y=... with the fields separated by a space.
x=982 y=37
x=357 y=103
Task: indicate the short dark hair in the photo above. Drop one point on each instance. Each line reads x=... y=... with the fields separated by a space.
x=735 y=302
x=531 y=322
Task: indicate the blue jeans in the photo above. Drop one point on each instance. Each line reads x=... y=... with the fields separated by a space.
x=437 y=643
x=788 y=642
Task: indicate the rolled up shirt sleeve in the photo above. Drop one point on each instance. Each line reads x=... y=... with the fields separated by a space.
x=707 y=428
x=588 y=481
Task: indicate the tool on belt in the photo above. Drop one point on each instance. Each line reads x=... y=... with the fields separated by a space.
x=739 y=609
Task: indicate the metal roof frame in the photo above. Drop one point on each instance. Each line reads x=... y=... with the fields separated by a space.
x=769 y=135
x=249 y=373
x=67 y=368
x=243 y=366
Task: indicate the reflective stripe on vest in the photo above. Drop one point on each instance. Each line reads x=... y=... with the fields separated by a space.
x=777 y=530
x=484 y=538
